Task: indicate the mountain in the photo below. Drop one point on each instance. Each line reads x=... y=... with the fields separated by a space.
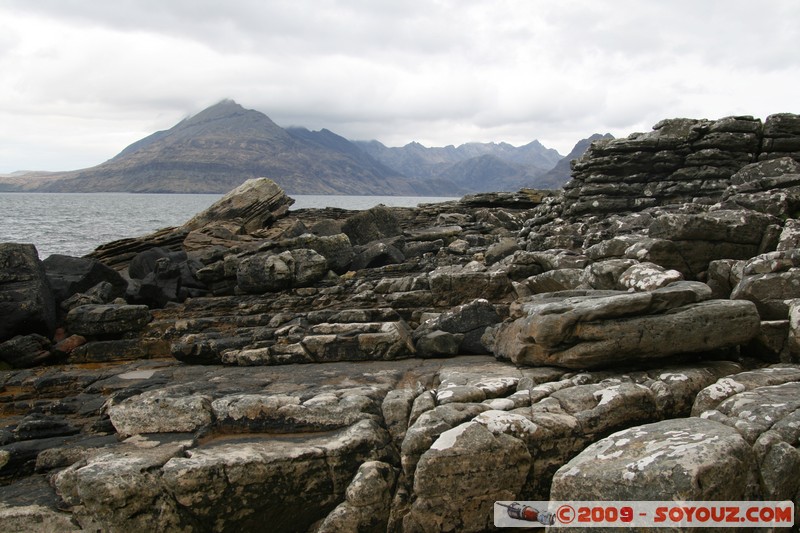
x=478 y=167
x=226 y=144
x=562 y=172
x=222 y=146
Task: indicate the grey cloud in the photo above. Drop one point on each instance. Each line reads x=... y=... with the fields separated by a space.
x=448 y=71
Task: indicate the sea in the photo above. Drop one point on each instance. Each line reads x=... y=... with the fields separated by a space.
x=77 y=223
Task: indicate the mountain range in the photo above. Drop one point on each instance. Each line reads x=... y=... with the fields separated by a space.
x=222 y=146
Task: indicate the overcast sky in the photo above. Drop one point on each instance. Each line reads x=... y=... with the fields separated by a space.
x=82 y=79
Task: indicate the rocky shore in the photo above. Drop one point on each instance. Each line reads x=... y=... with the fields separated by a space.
x=635 y=336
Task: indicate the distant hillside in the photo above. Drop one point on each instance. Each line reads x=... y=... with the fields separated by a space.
x=224 y=145
x=478 y=167
x=562 y=172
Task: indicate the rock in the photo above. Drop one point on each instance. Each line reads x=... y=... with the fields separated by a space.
x=22 y=519
x=158 y=287
x=396 y=410
x=269 y=272
x=711 y=396
x=587 y=332
x=336 y=248
x=771 y=344
x=444 y=233
x=71 y=275
x=107 y=320
x=647 y=277
x=26 y=300
x=734 y=226
x=780 y=467
x=457 y=285
x=371 y=225
x=119 y=350
x=683 y=459
x=25 y=351
x=102 y=293
x=605 y=407
x=769 y=292
x=500 y=250
x=66 y=346
x=486 y=466
x=120 y=488
x=377 y=255
x=520 y=265
x=159 y=275
x=161 y=411
x=754 y=412
x=661 y=252
x=255 y=204
x=469 y=321
x=360 y=342
x=793 y=338
x=368 y=501
x=790 y=236
x=564 y=279
x=37 y=426
x=708 y=236
x=291 y=414
x=604 y=275
x=267 y=480
x=723 y=276
x=681 y=160
x=145 y=262
x=765 y=169
x=437 y=343
x=429 y=425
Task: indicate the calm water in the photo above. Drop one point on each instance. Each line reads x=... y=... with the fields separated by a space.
x=75 y=224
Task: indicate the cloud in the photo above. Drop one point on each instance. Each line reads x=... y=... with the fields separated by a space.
x=83 y=79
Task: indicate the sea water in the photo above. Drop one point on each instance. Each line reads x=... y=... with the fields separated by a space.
x=77 y=223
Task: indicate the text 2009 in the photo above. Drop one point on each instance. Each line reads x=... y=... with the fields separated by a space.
x=604 y=514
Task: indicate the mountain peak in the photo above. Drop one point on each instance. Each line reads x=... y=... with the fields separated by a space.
x=224 y=109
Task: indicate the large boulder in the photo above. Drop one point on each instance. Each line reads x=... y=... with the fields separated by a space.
x=72 y=275
x=608 y=329
x=254 y=205
x=26 y=300
x=679 y=459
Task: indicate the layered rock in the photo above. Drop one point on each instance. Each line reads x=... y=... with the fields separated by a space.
x=254 y=204
x=607 y=329
x=680 y=161
x=400 y=429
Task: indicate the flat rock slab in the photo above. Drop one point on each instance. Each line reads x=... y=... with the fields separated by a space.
x=611 y=329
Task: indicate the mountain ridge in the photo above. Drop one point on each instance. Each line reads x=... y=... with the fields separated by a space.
x=225 y=144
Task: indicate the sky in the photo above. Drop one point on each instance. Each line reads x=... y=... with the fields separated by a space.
x=82 y=79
